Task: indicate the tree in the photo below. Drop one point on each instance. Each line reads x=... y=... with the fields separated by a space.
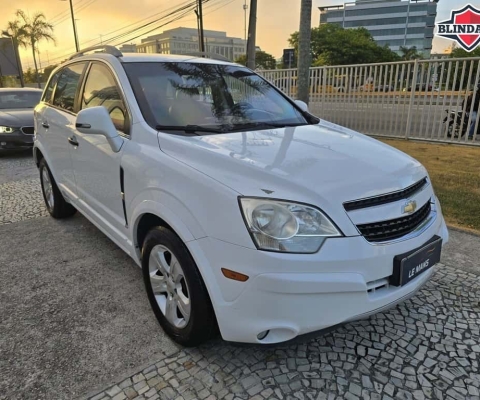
x=410 y=53
x=331 y=44
x=460 y=53
x=47 y=71
x=30 y=76
x=456 y=81
x=304 y=57
x=31 y=31
x=263 y=60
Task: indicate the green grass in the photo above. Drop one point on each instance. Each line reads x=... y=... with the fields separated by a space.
x=455 y=174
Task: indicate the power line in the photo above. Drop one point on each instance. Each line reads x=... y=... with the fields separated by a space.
x=186 y=5
x=184 y=9
x=77 y=10
x=187 y=8
x=59 y=16
x=169 y=22
x=133 y=23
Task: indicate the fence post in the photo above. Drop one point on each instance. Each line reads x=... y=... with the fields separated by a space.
x=412 y=98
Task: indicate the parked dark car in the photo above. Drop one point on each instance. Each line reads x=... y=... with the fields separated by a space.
x=384 y=88
x=421 y=88
x=16 y=117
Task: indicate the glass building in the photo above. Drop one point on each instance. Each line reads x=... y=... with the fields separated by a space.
x=394 y=23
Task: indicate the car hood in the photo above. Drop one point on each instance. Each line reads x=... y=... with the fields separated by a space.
x=320 y=164
x=17 y=118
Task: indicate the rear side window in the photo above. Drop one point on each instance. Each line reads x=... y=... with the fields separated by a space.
x=47 y=94
x=67 y=85
x=101 y=90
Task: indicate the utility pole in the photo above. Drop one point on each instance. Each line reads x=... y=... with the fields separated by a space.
x=304 y=56
x=245 y=8
x=74 y=27
x=252 y=35
x=201 y=39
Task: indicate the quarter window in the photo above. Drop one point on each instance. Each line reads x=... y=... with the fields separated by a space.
x=47 y=95
x=67 y=85
x=101 y=90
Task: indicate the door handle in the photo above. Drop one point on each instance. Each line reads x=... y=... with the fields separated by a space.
x=73 y=141
x=45 y=125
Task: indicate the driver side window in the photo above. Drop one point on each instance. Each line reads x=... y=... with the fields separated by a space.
x=101 y=90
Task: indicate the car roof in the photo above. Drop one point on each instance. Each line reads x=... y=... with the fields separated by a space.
x=143 y=57
x=12 y=89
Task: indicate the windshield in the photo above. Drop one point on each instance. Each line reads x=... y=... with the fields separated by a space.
x=19 y=99
x=208 y=96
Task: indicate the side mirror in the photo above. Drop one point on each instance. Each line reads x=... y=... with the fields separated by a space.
x=302 y=105
x=97 y=121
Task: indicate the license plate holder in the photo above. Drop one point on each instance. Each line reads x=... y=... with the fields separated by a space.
x=410 y=265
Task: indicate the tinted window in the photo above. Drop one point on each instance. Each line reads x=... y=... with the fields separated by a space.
x=67 y=86
x=220 y=96
x=16 y=99
x=47 y=95
x=101 y=90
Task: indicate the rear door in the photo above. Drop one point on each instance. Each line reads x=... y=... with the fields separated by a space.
x=96 y=166
x=58 y=124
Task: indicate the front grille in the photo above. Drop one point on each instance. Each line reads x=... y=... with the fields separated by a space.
x=395 y=228
x=385 y=198
x=28 y=130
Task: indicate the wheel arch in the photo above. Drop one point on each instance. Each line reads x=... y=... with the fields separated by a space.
x=37 y=156
x=149 y=214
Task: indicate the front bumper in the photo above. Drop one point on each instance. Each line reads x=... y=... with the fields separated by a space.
x=290 y=294
x=16 y=140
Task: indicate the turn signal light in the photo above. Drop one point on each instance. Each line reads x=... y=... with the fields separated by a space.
x=236 y=276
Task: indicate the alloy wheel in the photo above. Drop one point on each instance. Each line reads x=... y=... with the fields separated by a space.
x=47 y=188
x=169 y=286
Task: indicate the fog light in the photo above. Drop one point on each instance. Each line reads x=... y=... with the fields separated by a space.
x=262 y=335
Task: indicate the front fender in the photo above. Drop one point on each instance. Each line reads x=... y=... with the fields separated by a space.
x=175 y=221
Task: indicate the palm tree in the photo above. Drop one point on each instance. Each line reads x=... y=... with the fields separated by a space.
x=409 y=53
x=304 y=57
x=32 y=30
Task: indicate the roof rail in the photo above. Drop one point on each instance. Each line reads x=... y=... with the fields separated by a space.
x=106 y=49
x=207 y=54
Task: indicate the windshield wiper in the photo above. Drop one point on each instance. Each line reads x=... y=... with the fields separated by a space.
x=263 y=125
x=193 y=129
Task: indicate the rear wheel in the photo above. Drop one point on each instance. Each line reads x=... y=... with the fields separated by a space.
x=175 y=289
x=54 y=201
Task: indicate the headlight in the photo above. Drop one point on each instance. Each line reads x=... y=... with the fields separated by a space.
x=286 y=227
x=6 y=129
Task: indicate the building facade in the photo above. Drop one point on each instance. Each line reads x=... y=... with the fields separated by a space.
x=394 y=23
x=185 y=41
x=128 y=48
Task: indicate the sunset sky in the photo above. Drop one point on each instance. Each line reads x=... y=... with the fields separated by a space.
x=277 y=19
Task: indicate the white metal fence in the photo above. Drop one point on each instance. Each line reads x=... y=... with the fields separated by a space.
x=420 y=99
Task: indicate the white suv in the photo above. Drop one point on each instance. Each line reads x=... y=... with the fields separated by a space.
x=246 y=213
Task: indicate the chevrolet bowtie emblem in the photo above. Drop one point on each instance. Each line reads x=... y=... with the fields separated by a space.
x=410 y=207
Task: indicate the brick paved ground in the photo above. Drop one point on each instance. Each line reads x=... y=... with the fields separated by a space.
x=426 y=348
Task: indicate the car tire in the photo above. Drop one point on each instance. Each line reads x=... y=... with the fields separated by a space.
x=54 y=200
x=175 y=289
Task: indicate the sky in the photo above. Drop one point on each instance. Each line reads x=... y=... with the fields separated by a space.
x=277 y=19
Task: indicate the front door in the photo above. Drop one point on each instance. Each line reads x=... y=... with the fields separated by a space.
x=57 y=120
x=96 y=166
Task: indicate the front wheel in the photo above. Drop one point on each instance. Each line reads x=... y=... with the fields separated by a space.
x=54 y=201
x=175 y=289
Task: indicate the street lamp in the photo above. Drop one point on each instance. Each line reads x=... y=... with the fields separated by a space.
x=74 y=26
x=17 y=56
